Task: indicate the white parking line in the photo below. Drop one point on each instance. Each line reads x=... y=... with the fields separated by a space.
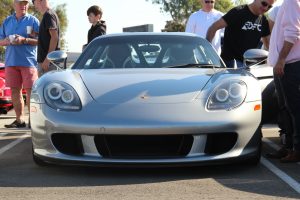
x=3 y=134
x=282 y=175
x=15 y=142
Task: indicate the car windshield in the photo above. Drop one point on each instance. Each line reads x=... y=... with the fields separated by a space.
x=148 y=51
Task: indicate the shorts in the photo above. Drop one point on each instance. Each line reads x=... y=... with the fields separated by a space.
x=20 y=77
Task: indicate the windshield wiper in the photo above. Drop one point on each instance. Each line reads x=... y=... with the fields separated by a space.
x=195 y=65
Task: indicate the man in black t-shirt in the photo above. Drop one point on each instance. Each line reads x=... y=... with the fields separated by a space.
x=245 y=26
x=49 y=35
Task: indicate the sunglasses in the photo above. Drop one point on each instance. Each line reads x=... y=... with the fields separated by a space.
x=209 y=1
x=265 y=4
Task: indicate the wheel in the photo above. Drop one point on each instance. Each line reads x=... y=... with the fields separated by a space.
x=269 y=104
x=256 y=140
x=255 y=159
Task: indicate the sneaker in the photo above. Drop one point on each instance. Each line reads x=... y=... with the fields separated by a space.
x=16 y=124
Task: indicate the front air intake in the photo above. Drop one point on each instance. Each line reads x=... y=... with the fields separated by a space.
x=143 y=146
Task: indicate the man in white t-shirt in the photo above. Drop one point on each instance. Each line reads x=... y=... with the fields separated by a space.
x=201 y=20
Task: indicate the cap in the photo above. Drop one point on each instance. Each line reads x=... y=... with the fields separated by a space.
x=21 y=0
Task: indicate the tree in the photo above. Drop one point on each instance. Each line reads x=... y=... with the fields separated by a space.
x=172 y=26
x=180 y=10
x=62 y=16
x=5 y=10
x=240 y=2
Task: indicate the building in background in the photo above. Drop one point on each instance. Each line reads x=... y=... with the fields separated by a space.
x=140 y=28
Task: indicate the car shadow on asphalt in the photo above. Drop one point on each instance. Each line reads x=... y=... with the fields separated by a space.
x=19 y=171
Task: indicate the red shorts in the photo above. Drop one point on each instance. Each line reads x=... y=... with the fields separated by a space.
x=20 y=77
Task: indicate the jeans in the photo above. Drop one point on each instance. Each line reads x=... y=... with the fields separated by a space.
x=291 y=87
x=284 y=117
x=234 y=63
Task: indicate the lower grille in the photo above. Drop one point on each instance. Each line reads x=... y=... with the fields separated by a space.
x=70 y=144
x=146 y=146
x=218 y=143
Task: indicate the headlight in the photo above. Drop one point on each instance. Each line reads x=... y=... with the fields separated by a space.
x=54 y=91
x=228 y=95
x=62 y=96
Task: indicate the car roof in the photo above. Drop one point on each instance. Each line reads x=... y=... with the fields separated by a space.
x=130 y=34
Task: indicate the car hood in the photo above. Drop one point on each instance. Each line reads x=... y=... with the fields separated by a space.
x=262 y=71
x=145 y=85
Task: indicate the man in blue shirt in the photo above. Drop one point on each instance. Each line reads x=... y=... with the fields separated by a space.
x=17 y=33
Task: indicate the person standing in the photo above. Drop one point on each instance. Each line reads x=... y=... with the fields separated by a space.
x=200 y=21
x=272 y=15
x=283 y=119
x=245 y=26
x=20 y=57
x=49 y=35
x=98 y=27
x=284 y=56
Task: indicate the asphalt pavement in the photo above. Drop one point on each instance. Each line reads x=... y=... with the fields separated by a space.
x=21 y=178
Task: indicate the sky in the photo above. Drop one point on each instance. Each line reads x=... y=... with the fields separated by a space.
x=117 y=14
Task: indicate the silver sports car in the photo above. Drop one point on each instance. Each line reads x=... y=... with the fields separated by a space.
x=146 y=99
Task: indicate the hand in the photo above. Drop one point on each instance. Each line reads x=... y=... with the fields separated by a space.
x=279 y=68
x=6 y=42
x=45 y=65
x=18 y=40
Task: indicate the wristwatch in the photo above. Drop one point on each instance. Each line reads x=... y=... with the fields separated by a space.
x=25 y=41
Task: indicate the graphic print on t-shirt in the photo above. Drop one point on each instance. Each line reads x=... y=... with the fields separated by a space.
x=250 y=26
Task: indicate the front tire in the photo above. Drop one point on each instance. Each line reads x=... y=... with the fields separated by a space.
x=256 y=141
x=269 y=104
x=253 y=161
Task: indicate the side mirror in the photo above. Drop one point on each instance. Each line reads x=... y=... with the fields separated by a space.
x=255 y=57
x=58 y=57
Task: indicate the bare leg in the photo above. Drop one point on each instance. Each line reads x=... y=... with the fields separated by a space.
x=18 y=103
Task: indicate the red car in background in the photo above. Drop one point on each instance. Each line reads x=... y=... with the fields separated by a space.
x=5 y=93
